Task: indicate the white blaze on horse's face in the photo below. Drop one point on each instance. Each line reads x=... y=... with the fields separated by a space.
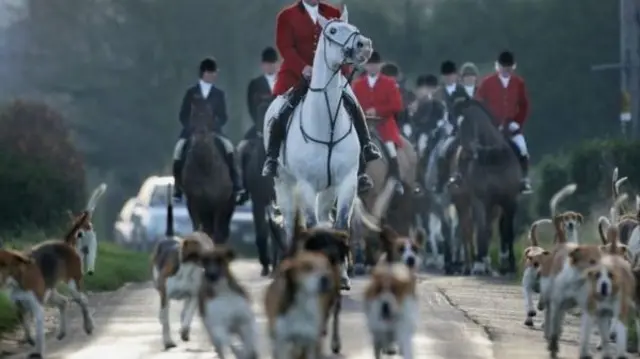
x=341 y=43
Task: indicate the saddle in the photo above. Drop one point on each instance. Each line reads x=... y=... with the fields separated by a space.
x=187 y=145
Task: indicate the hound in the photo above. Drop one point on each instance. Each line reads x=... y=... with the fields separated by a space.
x=536 y=260
x=31 y=278
x=391 y=308
x=177 y=275
x=625 y=223
x=402 y=249
x=86 y=240
x=563 y=286
x=225 y=307
x=295 y=307
x=610 y=284
x=334 y=245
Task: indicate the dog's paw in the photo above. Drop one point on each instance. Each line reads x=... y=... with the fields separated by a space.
x=61 y=335
x=29 y=340
x=88 y=327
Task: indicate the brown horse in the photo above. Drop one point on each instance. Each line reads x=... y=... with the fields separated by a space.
x=205 y=177
x=488 y=178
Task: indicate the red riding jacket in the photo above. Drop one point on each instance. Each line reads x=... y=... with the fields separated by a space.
x=386 y=99
x=296 y=40
x=506 y=104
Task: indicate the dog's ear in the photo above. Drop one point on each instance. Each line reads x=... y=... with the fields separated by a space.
x=419 y=236
x=580 y=218
x=20 y=258
x=71 y=216
x=229 y=254
x=575 y=254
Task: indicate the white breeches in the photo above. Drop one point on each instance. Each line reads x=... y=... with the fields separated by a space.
x=177 y=150
x=391 y=147
x=518 y=139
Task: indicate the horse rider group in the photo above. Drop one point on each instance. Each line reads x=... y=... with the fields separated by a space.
x=379 y=96
x=503 y=94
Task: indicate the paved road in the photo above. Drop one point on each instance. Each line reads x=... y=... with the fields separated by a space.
x=128 y=328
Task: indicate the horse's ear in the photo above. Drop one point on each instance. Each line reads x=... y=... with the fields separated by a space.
x=344 y=16
x=322 y=21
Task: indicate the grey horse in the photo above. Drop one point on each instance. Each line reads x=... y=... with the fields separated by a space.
x=205 y=177
x=487 y=177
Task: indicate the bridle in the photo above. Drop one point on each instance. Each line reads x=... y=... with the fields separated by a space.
x=347 y=58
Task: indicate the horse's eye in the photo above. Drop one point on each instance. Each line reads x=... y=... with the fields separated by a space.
x=333 y=31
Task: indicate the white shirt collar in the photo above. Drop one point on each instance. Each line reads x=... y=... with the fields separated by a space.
x=312 y=11
x=372 y=80
x=450 y=88
x=271 y=80
x=205 y=88
x=504 y=81
x=470 y=90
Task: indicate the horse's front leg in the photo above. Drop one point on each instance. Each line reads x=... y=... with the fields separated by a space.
x=346 y=195
x=325 y=202
x=507 y=236
x=286 y=203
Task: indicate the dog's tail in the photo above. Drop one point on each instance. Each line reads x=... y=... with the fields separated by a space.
x=561 y=236
x=565 y=192
x=169 y=229
x=612 y=239
x=533 y=239
x=616 y=183
x=95 y=197
x=373 y=220
x=616 y=208
x=603 y=226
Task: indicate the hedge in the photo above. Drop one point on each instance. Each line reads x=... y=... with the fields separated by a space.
x=41 y=171
x=590 y=166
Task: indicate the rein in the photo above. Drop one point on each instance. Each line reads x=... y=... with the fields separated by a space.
x=333 y=117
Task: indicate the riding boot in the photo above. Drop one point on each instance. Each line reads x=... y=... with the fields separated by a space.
x=177 y=180
x=278 y=129
x=238 y=190
x=369 y=150
x=394 y=172
x=364 y=181
x=526 y=182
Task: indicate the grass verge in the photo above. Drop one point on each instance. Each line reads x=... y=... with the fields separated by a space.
x=115 y=266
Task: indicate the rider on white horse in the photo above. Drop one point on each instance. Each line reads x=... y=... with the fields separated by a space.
x=297 y=32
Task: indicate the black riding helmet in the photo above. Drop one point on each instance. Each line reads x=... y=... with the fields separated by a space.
x=208 y=65
x=269 y=55
x=428 y=80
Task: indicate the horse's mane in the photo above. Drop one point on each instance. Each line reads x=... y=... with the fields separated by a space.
x=478 y=115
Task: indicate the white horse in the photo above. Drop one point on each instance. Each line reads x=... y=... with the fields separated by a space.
x=321 y=151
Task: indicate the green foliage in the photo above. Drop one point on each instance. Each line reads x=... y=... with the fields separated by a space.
x=41 y=172
x=590 y=166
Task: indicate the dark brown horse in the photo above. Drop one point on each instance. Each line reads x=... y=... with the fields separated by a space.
x=205 y=177
x=488 y=179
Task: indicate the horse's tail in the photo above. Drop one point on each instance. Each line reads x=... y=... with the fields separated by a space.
x=565 y=192
x=169 y=230
x=603 y=227
x=95 y=197
x=373 y=220
x=533 y=238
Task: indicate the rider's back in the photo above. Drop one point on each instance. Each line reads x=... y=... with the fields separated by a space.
x=296 y=40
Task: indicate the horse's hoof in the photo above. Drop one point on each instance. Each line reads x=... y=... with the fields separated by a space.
x=529 y=322
x=61 y=336
x=169 y=345
x=613 y=336
x=586 y=357
x=184 y=335
x=336 y=348
x=390 y=350
x=265 y=271
x=35 y=356
x=531 y=313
